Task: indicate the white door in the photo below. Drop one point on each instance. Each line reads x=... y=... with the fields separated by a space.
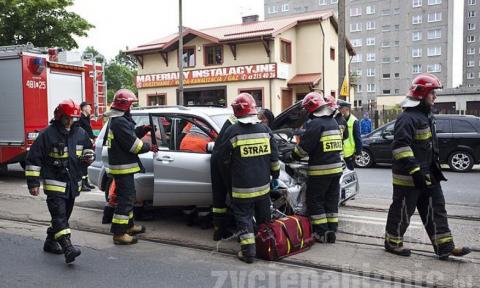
x=63 y=86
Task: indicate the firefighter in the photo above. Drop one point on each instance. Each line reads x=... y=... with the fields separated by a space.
x=84 y=122
x=338 y=116
x=56 y=157
x=253 y=157
x=221 y=184
x=417 y=174
x=353 y=144
x=124 y=146
x=322 y=142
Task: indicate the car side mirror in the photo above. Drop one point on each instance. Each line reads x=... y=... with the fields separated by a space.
x=210 y=147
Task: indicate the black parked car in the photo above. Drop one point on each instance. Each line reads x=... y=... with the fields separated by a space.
x=458 y=137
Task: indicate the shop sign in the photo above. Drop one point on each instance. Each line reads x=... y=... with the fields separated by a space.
x=207 y=76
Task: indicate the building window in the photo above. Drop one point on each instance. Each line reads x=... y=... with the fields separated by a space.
x=471 y=14
x=257 y=94
x=370 y=9
x=397 y=43
x=371 y=25
x=386 y=28
x=397 y=91
x=285 y=8
x=434 y=51
x=357 y=11
x=417 y=19
x=397 y=75
x=435 y=17
x=359 y=88
x=470 y=75
x=213 y=55
x=416 y=36
x=397 y=27
x=370 y=87
x=471 y=26
x=357 y=42
x=471 y=51
x=332 y=53
x=272 y=10
x=470 y=63
x=357 y=73
x=188 y=57
x=370 y=57
x=370 y=41
x=434 y=2
x=471 y=38
x=434 y=68
x=386 y=92
x=370 y=72
x=386 y=76
x=396 y=59
x=386 y=60
x=417 y=68
x=472 y=2
x=333 y=1
x=355 y=27
x=434 y=34
x=322 y=2
x=156 y=99
x=386 y=12
x=416 y=52
x=357 y=58
x=286 y=52
x=416 y=3
x=386 y=44
x=396 y=11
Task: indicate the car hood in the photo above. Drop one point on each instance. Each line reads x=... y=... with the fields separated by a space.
x=294 y=117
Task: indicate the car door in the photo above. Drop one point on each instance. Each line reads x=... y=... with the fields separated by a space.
x=446 y=143
x=181 y=177
x=381 y=146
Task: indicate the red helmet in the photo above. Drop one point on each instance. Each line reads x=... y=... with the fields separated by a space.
x=244 y=105
x=67 y=108
x=123 y=100
x=422 y=85
x=313 y=101
x=331 y=101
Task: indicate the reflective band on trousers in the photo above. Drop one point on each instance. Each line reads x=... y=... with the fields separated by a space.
x=442 y=238
x=120 y=219
x=275 y=166
x=137 y=146
x=123 y=169
x=393 y=239
x=423 y=134
x=320 y=170
x=247 y=239
x=54 y=186
x=58 y=156
x=32 y=171
x=332 y=217
x=318 y=219
x=250 y=192
x=247 y=139
x=219 y=210
x=402 y=152
x=62 y=233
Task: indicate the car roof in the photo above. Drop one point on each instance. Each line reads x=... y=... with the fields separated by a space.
x=456 y=116
x=190 y=110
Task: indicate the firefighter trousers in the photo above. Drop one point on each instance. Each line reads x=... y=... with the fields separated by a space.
x=244 y=212
x=60 y=211
x=322 y=203
x=350 y=162
x=431 y=207
x=220 y=190
x=123 y=216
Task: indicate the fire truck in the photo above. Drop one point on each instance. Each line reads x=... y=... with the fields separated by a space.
x=32 y=83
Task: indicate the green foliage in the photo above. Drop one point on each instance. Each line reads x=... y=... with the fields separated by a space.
x=91 y=51
x=119 y=76
x=45 y=23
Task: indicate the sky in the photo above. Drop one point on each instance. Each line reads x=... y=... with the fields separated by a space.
x=122 y=23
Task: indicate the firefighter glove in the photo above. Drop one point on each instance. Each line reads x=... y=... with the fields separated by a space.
x=420 y=180
x=154 y=148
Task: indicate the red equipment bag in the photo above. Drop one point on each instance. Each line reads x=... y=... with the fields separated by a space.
x=283 y=237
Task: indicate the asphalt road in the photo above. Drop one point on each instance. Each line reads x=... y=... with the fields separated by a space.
x=461 y=188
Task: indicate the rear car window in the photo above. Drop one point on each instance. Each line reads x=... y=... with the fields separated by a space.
x=443 y=126
x=462 y=126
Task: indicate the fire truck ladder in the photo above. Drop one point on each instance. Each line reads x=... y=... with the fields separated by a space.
x=99 y=89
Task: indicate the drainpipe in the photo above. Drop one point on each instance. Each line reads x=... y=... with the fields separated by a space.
x=270 y=80
x=323 y=58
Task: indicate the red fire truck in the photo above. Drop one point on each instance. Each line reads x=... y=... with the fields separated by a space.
x=32 y=83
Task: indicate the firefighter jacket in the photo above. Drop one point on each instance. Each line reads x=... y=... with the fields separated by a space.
x=252 y=155
x=84 y=122
x=322 y=143
x=415 y=147
x=342 y=124
x=124 y=145
x=55 y=159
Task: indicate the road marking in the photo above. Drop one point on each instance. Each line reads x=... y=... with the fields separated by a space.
x=373 y=220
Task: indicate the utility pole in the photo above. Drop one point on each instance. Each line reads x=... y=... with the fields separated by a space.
x=341 y=44
x=180 y=54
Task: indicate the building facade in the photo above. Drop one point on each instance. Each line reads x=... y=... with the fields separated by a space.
x=394 y=40
x=277 y=61
x=471 y=58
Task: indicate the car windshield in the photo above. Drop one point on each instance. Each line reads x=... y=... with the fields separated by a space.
x=220 y=119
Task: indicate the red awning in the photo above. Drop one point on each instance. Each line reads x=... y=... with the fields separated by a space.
x=311 y=79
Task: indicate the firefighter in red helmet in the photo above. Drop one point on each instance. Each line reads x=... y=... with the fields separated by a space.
x=124 y=145
x=56 y=159
x=252 y=157
x=416 y=173
x=322 y=143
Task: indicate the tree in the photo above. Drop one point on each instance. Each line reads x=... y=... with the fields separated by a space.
x=119 y=76
x=90 y=51
x=45 y=23
x=127 y=60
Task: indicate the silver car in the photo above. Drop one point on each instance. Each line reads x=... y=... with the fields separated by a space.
x=180 y=176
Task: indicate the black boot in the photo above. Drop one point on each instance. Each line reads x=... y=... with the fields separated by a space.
x=85 y=187
x=52 y=246
x=331 y=237
x=108 y=212
x=245 y=258
x=457 y=252
x=71 y=252
x=397 y=250
x=89 y=185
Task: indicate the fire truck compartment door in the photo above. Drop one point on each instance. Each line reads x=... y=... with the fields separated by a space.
x=63 y=86
x=11 y=97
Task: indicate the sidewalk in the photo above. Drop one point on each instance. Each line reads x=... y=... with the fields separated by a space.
x=367 y=258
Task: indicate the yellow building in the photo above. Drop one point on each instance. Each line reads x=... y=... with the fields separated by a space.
x=278 y=61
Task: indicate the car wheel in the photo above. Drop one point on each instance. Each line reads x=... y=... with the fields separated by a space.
x=460 y=161
x=365 y=160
